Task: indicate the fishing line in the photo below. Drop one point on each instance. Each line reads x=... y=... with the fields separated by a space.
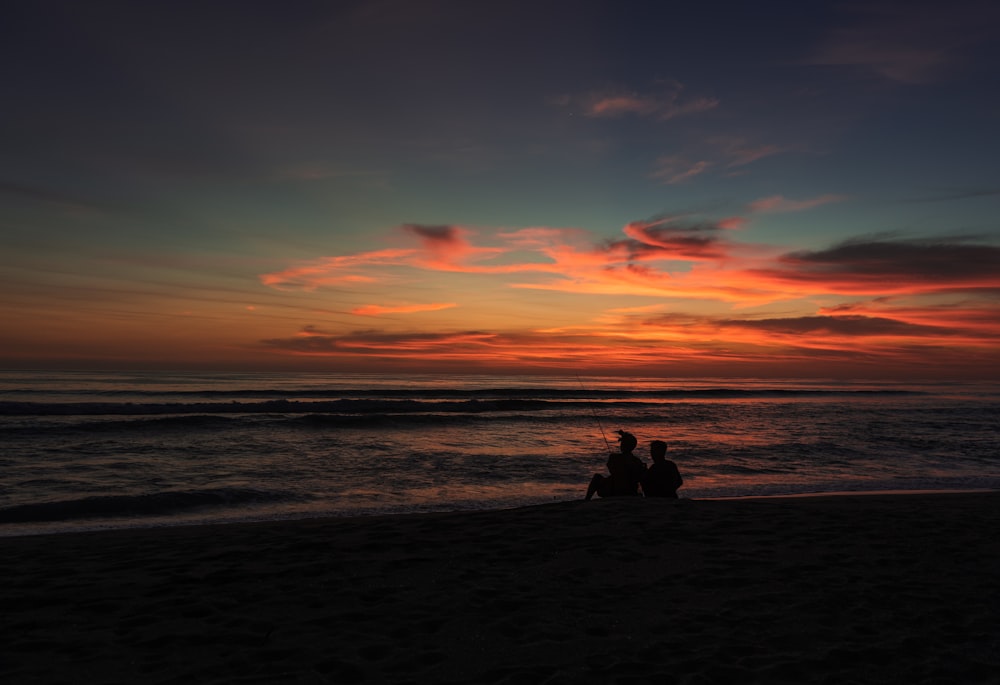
x=596 y=417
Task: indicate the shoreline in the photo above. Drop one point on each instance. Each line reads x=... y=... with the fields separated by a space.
x=85 y=525
x=853 y=493
x=872 y=588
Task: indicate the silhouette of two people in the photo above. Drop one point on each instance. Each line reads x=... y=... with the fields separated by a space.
x=628 y=472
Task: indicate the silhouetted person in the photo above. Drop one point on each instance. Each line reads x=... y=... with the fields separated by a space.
x=625 y=468
x=662 y=478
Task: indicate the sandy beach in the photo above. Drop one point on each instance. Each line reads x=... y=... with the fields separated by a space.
x=841 y=589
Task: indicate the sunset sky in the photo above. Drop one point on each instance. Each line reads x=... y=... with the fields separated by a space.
x=673 y=189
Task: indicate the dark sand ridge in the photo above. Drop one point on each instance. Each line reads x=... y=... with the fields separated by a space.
x=867 y=589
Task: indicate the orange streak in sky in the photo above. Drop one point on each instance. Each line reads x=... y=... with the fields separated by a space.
x=378 y=310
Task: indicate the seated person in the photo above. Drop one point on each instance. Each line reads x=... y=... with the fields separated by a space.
x=625 y=468
x=662 y=478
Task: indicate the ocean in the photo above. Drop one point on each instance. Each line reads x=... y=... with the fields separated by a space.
x=88 y=450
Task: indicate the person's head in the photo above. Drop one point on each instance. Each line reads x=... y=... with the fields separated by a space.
x=626 y=442
x=658 y=450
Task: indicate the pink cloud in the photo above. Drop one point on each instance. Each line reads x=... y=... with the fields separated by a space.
x=440 y=248
x=779 y=204
x=694 y=106
x=737 y=152
x=909 y=44
x=728 y=154
x=886 y=51
x=666 y=257
x=664 y=105
x=448 y=247
x=674 y=240
x=612 y=106
x=732 y=223
x=675 y=169
x=540 y=237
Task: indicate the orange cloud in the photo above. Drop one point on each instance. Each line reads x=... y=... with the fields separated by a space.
x=970 y=319
x=638 y=339
x=668 y=238
x=470 y=348
x=669 y=257
x=379 y=310
x=447 y=247
x=672 y=262
x=441 y=248
x=541 y=237
x=335 y=270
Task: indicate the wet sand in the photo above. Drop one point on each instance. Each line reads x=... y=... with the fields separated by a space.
x=845 y=589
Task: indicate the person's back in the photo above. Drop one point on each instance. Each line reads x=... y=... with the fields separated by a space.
x=662 y=478
x=627 y=471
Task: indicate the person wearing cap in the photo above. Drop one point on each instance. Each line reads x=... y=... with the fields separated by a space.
x=626 y=471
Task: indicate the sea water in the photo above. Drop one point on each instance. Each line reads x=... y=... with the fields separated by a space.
x=82 y=451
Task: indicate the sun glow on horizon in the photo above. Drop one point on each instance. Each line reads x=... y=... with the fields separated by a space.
x=889 y=303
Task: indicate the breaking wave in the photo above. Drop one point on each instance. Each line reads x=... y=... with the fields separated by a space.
x=438 y=401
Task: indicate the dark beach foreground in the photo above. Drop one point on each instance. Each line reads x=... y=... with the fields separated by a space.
x=845 y=589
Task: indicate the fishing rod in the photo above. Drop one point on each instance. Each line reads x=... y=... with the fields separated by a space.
x=596 y=417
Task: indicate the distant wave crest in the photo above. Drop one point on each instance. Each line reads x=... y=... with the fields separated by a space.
x=468 y=401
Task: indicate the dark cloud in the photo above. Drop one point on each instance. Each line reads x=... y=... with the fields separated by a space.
x=853 y=325
x=925 y=261
x=434 y=234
